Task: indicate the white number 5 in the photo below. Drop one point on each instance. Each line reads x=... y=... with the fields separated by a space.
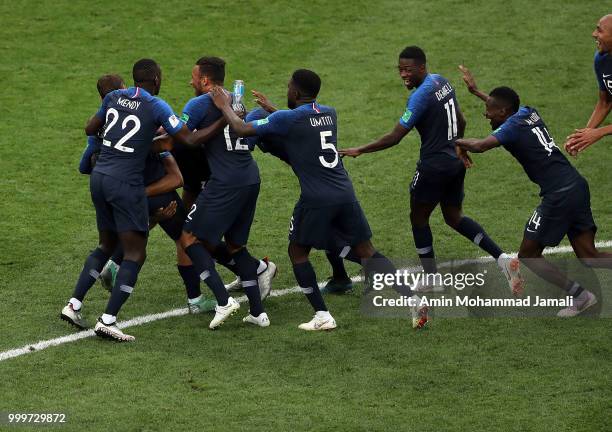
x=331 y=146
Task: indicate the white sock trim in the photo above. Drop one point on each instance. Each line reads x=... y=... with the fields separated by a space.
x=126 y=289
x=204 y=275
x=307 y=290
x=194 y=300
x=109 y=319
x=345 y=251
x=478 y=238
x=76 y=304
x=424 y=250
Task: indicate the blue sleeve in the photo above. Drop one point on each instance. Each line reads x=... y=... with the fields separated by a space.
x=256 y=114
x=165 y=117
x=416 y=106
x=93 y=146
x=597 y=65
x=195 y=112
x=164 y=154
x=277 y=123
x=102 y=111
x=506 y=134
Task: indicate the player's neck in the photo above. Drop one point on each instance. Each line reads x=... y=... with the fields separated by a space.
x=307 y=101
x=146 y=86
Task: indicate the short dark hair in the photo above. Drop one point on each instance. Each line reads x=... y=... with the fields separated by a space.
x=307 y=82
x=108 y=83
x=145 y=70
x=213 y=68
x=507 y=96
x=415 y=53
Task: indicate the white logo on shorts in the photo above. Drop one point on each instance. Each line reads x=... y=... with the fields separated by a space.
x=291 y=225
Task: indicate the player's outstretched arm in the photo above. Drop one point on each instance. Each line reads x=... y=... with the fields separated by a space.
x=470 y=83
x=384 y=142
x=168 y=183
x=583 y=138
x=475 y=145
x=223 y=101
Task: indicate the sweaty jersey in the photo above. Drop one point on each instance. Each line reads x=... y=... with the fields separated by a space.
x=432 y=108
x=132 y=116
x=526 y=137
x=309 y=135
x=229 y=157
x=603 y=71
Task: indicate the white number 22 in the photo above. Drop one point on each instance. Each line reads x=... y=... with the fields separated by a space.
x=115 y=116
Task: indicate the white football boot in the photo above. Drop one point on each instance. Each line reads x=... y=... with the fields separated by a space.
x=420 y=314
x=322 y=320
x=585 y=300
x=510 y=267
x=111 y=331
x=73 y=317
x=262 y=320
x=264 y=279
x=224 y=312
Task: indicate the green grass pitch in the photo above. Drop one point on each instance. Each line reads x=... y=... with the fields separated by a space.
x=371 y=374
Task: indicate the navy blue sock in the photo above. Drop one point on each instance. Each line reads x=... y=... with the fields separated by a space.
x=384 y=265
x=205 y=267
x=337 y=264
x=224 y=258
x=118 y=255
x=423 y=240
x=307 y=280
x=470 y=229
x=191 y=280
x=91 y=270
x=124 y=285
x=247 y=270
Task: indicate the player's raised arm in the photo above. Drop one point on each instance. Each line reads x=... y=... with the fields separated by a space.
x=384 y=142
x=263 y=101
x=470 y=83
x=475 y=145
x=223 y=101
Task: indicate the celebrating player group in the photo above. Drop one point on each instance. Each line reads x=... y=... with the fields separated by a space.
x=139 y=152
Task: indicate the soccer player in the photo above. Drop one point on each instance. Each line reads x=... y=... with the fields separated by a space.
x=565 y=207
x=161 y=179
x=307 y=132
x=130 y=117
x=582 y=138
x=226 y=206
x=433 y=109
x=339 y=282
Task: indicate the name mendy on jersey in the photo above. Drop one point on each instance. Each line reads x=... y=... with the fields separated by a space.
x=444 y=91
x=131 y=104
x=321 y=121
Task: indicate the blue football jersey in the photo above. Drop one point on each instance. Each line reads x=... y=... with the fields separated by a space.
x=154 y=167
x=93 y=146
x=309 y=137
x=432 y=108
x=132 y=116
x=603 y=71
x=229 y=157
x=526 y=137
x=270 y=144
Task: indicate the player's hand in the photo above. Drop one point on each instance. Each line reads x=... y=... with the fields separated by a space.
x=263 y=101
x=464 y=157
x=164 y=213
x=468 y=79
x=220 y=97
x=240 y=110
x=352 y=152
x=581 y=139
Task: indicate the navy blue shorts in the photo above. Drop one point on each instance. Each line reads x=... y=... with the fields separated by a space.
x=337 y=225
x=194 y=167
x=223 y=212
x=173 y=226
x=432 y=186
x=120 y=206
x=563 y=212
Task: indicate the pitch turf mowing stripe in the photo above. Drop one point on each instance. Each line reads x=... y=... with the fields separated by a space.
x=41 y=345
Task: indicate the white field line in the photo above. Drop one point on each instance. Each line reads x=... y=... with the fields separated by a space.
x=41 y=345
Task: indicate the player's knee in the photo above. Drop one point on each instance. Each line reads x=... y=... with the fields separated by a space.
x=452 y=220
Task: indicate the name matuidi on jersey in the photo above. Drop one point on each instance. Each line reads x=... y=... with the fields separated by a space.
x=321 y=121
x=444 y=91
x=131 y=104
